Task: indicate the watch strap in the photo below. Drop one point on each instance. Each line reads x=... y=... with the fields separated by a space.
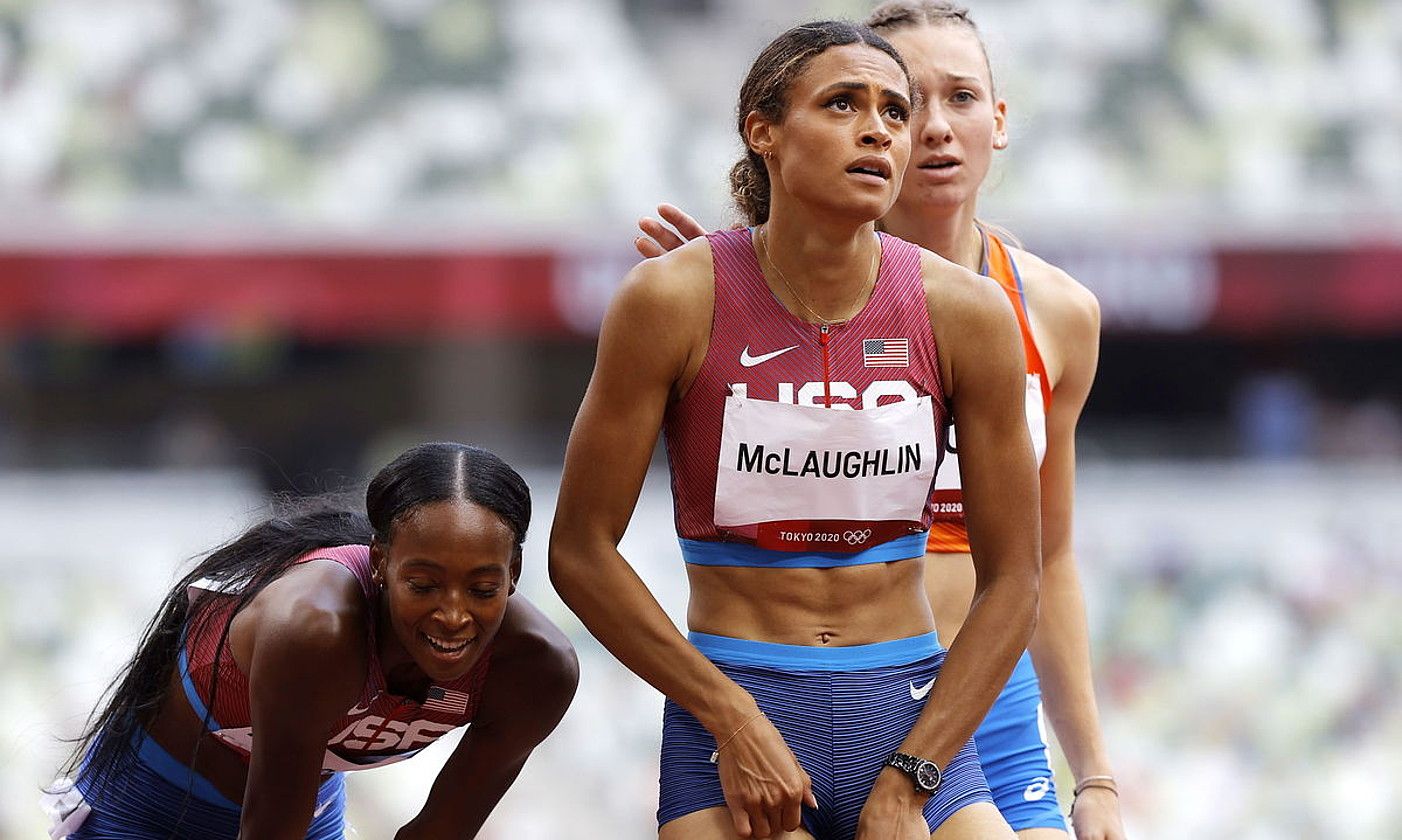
x=911 y=766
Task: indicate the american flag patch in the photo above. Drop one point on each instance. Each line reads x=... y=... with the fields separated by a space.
x=886 y=352
x=446 y=700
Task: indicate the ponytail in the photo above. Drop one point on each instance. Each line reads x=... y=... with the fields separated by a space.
x=245 y=565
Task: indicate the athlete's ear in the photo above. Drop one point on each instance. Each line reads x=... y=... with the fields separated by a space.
x=379 y=559
x=760 y=135
x=515 y=571
x=1000 y=124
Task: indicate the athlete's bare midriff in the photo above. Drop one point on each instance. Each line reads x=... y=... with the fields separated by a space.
x=843 y=606
x=177 y=728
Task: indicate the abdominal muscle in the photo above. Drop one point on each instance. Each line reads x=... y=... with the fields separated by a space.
x=839 y=607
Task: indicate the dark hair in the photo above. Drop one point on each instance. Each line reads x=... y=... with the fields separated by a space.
x=434 y=472
x=895 y=15
x=766 y=91
x=427 y=473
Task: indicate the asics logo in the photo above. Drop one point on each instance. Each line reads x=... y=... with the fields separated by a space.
x=857 y=537
x=750 y=361
x=919 y=692
x=1038 y=789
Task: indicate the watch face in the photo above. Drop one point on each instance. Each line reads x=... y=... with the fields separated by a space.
x=927 y=775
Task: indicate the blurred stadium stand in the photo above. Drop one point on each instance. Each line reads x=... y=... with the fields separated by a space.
x=261 y=244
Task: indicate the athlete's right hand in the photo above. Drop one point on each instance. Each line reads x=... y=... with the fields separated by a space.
x=658 y=239
x=765 y=787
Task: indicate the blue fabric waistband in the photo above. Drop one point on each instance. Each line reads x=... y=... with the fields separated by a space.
x=709 y=553
x=155 y=795
x=815 y=657
x=154 y=756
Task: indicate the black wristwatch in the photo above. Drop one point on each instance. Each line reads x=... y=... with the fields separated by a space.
x=922 y=772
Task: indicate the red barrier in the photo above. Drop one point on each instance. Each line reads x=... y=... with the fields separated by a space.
x=318 y=296
x=373 y=295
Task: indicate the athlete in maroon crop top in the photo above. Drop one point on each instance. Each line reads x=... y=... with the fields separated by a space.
x=884 y=354
x=824 y=117
x=381 y=728
x=327 y=641
x=955 y=138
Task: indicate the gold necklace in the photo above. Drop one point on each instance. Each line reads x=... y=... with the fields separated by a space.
x=763 y=240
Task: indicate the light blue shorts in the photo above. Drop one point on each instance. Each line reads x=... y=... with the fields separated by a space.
x=1012 y=747
x=842 y=710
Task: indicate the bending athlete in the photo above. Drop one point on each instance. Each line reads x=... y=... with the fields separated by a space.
x=327 y=642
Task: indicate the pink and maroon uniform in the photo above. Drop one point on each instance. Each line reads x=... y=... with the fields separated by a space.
x=380 y=728
x=759 y=352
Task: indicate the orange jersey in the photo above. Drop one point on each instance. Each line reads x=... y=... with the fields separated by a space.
x=948 y=532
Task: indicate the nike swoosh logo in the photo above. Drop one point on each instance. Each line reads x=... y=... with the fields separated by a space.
x=750 y=361
x=358 y=709
x=918 y=693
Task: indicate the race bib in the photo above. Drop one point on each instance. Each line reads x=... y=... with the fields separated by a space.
x=805 y=478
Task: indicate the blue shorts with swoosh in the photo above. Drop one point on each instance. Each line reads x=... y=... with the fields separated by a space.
x=1012 y=746
x=842 y=710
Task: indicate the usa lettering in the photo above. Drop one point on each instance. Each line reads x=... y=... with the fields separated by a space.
x=844 y=395
x=375 y=734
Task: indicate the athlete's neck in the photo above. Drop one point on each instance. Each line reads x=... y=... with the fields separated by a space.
x=831 y=266
x=952 y=235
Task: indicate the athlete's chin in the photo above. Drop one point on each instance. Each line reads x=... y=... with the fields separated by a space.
x=946 y=196
x=861 y=209
x=441 y=672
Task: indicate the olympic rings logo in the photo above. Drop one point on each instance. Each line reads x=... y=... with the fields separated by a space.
x=857 y=537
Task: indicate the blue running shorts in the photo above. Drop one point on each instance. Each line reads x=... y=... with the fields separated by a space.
x=155 y=797
x=1012 y=747
x=842 y=710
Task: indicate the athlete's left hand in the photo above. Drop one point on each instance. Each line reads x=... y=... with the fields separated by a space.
x=893 y=810
x=1096 y=815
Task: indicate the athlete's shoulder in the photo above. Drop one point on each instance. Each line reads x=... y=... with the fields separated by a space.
x=671 y=285
x=1057 y=294
x=955 y=291
x=531 y=641
x=678 y=272
x=319 y=604
x=534 y=667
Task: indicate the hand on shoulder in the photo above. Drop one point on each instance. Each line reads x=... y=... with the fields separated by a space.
x=658 y=323
x=679 y=271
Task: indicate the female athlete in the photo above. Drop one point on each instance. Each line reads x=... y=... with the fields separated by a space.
x=802 y=371
x=324 y=642
x=961 y=123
